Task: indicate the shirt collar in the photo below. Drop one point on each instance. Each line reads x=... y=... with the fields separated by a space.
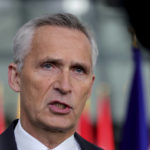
x=27 y=142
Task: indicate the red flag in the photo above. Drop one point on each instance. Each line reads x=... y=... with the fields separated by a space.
x=2 y=120
x=85 y=126
x=105 y=137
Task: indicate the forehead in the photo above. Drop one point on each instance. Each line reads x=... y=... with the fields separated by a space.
x=51 y=32
x=59 y=42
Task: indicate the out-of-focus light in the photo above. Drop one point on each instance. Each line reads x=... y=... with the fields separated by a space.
x=77 y=7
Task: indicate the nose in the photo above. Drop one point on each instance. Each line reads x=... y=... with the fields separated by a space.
x=63 y=83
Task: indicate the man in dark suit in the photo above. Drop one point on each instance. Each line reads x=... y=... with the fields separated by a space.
x=53 y=65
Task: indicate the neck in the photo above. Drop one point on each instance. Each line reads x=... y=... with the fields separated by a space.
x=50 y=137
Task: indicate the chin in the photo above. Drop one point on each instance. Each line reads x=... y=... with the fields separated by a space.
x=57 y=126
x=60 y=128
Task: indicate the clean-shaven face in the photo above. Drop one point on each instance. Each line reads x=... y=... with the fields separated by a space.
x=56 y=78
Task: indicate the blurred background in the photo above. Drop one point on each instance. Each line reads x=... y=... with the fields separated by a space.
x=109 y=21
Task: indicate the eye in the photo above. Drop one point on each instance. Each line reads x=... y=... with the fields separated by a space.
x=80 y=70
x=47 y=65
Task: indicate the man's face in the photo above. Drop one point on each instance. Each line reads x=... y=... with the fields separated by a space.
x=56 y=78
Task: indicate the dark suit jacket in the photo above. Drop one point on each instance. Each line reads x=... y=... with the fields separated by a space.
x=7 y=140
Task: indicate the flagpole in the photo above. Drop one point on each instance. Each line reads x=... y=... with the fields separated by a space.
x=18 y=107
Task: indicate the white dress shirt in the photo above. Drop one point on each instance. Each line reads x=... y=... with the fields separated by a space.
x=25 y=141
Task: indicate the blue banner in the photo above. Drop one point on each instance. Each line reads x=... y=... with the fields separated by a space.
x=135 y=131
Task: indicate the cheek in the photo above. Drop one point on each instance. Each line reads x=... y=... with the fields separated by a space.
x=32 y=91
x=83 y=88
x=82 y=93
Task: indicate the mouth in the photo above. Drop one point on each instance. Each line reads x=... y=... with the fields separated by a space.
x=58 y=107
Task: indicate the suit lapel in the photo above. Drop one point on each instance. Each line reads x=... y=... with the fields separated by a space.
x=81 y=142
x=7 y=139
x=85 y=145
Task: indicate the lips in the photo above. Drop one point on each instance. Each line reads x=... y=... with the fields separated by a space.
x=59 y=107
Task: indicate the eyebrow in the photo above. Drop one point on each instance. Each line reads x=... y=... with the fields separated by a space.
x=59 y=62
x=52 y=60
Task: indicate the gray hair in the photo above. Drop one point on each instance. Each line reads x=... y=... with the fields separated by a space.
x=23 y=38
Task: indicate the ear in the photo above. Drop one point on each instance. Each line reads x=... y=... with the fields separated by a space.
x=13 y=77
x=93 y=79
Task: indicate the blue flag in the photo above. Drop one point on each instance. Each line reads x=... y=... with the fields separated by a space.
x=135 y=131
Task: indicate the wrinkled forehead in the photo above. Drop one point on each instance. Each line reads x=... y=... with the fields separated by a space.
x=57 y=41
x=54 y=28
x=58 y=36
